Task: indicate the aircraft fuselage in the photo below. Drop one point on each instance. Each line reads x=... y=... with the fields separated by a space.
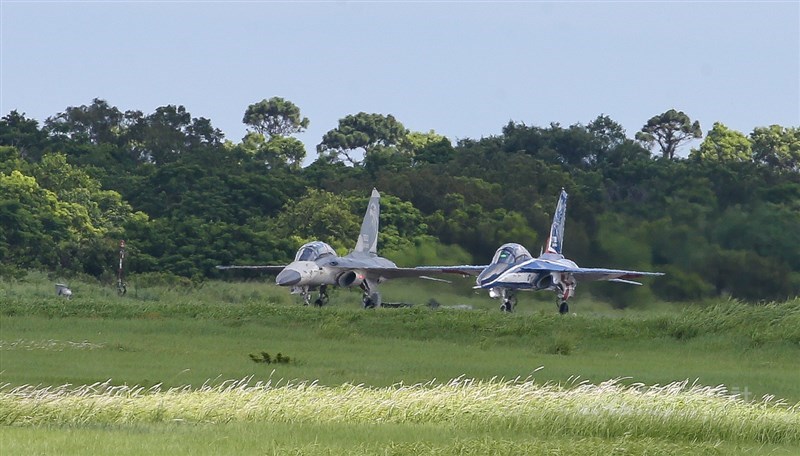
x=347 y=271
x=507 y=275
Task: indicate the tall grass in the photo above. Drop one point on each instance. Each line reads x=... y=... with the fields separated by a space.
x=677 y=411
x=183 y=333
x=338 y=439
x=754 y=325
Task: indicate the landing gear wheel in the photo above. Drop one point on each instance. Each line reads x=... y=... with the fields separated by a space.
x=371 y=300
x=368 y=304
x=323 y=296
x=563 y=308
x=509 y=302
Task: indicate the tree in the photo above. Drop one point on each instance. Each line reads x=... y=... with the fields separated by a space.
x=275 y=117
x=723 y=145
x=777 y=147
x=319 y=215
x=669 y=130
x=429 y=147
x=387 y=160
x=745 y=274
x=63 y=227
x=574 y=146
x=170 y=131
x=435 y=152
x=21 y=133
x=29 y=221
x=278 y=151
x=610 y=134
x=96 y=123
x=361 y=131
x=612 y=146
x=290 y=151
x=105 y=208
x=571 y=147
x=770 y=230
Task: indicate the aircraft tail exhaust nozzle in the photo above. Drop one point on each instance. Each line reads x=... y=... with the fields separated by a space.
x=287 y=278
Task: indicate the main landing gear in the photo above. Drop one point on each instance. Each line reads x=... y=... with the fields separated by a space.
x=371 y=299
x=323 y=296
x=565 y=290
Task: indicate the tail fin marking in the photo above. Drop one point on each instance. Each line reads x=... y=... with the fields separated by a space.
x=556 y=240
x=368 y=237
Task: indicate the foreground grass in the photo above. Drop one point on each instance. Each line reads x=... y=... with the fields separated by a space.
x=332 y=348
x=688 y=416
x=675 y=412
x=176 y=335
x=340 y=439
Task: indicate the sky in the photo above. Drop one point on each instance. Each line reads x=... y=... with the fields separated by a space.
x=462 y=69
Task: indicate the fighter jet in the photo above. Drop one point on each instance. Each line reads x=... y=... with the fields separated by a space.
x=513 y=268
x=317 y=266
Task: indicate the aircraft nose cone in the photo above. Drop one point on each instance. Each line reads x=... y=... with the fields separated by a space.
x=287 y=277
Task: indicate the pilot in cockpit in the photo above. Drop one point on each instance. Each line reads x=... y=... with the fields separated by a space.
x=313 y=251
x=511 y=254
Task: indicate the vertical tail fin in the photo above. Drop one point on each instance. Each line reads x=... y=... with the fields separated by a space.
x=368 y=238
x=556 y=240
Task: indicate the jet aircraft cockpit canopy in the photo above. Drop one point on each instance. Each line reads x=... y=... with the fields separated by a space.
x=313 y=251
x=511 y=253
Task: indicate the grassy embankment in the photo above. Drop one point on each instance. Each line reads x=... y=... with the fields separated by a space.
x=188 y=336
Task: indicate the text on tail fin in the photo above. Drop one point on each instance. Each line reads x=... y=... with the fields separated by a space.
x=368 y=237
x=555 y=242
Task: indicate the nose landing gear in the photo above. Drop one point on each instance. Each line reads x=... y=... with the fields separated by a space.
x=508 y=304
x=509 y=300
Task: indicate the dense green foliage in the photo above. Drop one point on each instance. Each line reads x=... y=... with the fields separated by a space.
x=722 y=222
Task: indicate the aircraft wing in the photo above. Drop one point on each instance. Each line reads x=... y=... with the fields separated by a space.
x=616 y=275
x=388 y=272
x=465 y=270
x=398 y=273
x=267 y=268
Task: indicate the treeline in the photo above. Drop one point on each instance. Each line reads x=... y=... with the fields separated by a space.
x=723 y=221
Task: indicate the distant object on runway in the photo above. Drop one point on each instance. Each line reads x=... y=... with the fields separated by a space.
x=63 y=290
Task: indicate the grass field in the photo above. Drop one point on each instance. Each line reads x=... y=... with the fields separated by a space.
x=540 y=380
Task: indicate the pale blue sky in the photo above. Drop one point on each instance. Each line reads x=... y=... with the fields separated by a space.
x=463 y=69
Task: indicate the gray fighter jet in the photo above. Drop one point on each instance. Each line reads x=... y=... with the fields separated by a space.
x=316 y=265
x=514 y=269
